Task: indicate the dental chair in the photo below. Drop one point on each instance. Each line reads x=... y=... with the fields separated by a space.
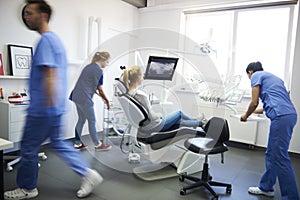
x=165 y=150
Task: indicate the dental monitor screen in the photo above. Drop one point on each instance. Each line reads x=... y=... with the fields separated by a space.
x=160 y=68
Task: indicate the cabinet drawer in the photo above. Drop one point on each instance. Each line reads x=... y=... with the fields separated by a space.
x=17 y=126
x=18 y=114
x=15 y=136
x=16 y=131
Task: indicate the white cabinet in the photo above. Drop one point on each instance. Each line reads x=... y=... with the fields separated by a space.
x=244 y=132
x=12 y=120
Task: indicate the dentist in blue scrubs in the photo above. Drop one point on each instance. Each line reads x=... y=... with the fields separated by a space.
x=280 y=110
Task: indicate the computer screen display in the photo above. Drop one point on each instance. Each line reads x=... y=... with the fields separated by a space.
x=160 y=68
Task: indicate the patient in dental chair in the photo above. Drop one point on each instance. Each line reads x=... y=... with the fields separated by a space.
x=133 y=78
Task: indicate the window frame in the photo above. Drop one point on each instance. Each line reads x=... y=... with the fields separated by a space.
x=238 y=9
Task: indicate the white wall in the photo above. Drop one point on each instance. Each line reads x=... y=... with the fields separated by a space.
x=171 y=13
x=70 y=22
x=295 y=90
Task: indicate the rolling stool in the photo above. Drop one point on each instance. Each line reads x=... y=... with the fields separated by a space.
x=215 y=128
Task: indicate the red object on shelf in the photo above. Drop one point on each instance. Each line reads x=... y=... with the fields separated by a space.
x=15 y=99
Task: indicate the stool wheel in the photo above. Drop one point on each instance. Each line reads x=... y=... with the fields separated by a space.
x=44 y=157
x=181 y=176
x=182 y=192
x=215 y=198
x=228 y=190
x=9 y=168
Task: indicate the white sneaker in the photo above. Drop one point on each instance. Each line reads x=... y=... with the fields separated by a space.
x=89 y=182
x=20 y=193
x=256 y=190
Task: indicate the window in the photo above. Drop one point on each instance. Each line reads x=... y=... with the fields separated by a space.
x=212 y=30
x=235 y=38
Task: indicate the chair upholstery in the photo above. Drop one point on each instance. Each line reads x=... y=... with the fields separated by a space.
x=217 y=133
x=136 y=114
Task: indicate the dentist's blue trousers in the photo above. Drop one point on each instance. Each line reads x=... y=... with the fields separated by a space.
x=36 y=131
x=278 y=163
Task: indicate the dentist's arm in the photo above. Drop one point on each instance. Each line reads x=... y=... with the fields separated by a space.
x=49 y=84
x=103 y=96
x=259 y=111
x=253 y=104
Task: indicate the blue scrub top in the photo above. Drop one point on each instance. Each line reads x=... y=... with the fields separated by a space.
x=276 y=100
x=89 y=80
x=49 y=52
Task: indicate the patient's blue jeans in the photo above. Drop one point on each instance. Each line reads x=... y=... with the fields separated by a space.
x=179 y=118
x=86 y=112
x=278 y=163
x=36 y=131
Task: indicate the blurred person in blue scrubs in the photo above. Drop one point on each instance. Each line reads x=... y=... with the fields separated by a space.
x=279 y=108
x=48 y=96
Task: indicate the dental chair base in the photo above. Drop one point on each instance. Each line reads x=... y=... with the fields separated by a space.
x=134 y=158
x=172 y=162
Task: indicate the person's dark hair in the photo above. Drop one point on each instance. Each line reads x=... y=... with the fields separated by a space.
x=254 y=66
x=43 y=7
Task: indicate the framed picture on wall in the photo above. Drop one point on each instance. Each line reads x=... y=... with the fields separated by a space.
x=20 y=59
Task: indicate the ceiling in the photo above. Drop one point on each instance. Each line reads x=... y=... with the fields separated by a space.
x=137 y=3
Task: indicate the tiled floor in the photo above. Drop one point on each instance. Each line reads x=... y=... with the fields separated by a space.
x=242 y=168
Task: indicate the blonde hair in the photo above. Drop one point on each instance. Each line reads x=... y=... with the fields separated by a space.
x=132 y=75
x=101 y=56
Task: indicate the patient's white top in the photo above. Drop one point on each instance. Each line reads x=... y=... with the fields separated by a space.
x=155 y=120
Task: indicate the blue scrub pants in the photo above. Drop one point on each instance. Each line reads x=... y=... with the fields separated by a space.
x=179 y=118
x=278 y=163
x=36 y=131
x=86 y=112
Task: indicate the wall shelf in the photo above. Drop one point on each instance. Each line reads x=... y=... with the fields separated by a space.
x=13 y=77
